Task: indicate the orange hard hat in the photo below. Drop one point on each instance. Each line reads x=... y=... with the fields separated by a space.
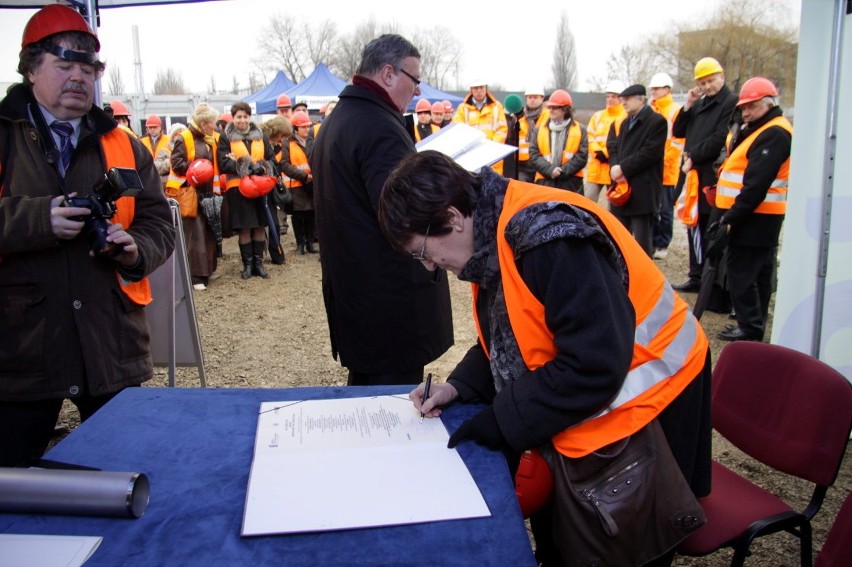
x=448 y=106
x=533 y=482
x=423 y=106
x=560 y=97
x=226 y=117
x=254 y=186
x=119 y=108
x=199 y=172
x=283 y=101
x=619 y=193
x=300 y=119
x=53 y=19
x=153 y=120
x=755 y=89
x=438 y=108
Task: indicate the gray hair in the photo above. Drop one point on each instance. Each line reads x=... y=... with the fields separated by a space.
x=388 y=49
x=204 y=112
x=31 y=57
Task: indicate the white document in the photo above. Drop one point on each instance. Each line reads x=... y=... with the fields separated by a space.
x=46 y=550
x=466 y=145
x=351 y=463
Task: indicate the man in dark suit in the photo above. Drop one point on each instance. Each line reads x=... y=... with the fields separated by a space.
x=636 y=151
x=388 y=316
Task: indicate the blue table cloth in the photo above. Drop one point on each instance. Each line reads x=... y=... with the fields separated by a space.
x=196 y=447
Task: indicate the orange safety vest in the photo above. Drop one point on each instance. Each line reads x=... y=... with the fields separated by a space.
x=118 y=152
x=686 y=205
x=491 y=120
x=176 y=181
x=572 y=144
x=733 y=169
x=299 y=159
x=316 y=128
x=669 y=350
x=524 y=131
x=162 y=143
x=417 y=137
x=666 y=107
x=597 y=132
x=239 y=150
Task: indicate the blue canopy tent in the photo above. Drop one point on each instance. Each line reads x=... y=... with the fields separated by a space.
x=433 y=95
x=266 y=97
x=318 y=88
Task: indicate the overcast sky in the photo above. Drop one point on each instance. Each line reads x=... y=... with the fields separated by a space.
x=513 y=48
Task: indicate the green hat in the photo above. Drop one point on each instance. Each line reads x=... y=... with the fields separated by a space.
x=513 y=104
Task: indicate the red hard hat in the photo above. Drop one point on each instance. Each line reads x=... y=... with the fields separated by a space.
x=755 y=89
x=199 y=172
x=423 y=106
x=560 y=98
x=533 y=482
x=254 y=186
x=438 y=107
x=619 y=193
x=283 y=101
x=448 y=106
x=226 y=117
x=153 y=120
x=53 y=19
x=119 y=108
x=300 y=119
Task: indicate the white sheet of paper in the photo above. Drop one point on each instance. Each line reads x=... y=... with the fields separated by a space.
x=466 y=145
x=351 y=463
x=46 y=550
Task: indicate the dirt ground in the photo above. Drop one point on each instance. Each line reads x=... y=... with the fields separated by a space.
x=273 y=334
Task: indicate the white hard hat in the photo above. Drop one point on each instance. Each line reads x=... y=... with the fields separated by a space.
x=661 y=80
x=478 y=82
x=534 y=91
x=614 y=86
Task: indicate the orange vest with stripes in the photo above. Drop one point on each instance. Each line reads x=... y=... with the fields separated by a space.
x=258 y=150
x=733 y=170
x=572 y=144
x=162 y=143
x=299 y=159
x=669 y=345
x=524 y=132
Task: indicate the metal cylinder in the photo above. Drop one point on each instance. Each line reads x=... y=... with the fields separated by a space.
x=81 y=493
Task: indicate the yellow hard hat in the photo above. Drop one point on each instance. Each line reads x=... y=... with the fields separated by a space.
x=707 y=66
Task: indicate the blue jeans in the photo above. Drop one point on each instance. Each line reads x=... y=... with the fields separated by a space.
x=664 y=220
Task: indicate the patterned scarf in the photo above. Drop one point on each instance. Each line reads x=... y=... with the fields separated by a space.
x=210 y=139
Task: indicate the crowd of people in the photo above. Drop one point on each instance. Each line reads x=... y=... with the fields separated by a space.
x=582 y=341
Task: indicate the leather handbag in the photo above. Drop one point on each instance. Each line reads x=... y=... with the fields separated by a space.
x=624 y=505
x=187 y=199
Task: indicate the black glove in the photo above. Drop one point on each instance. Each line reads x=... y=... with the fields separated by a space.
x=717 y=239
x=257 y=169
x=481 y=428
x=601 y=157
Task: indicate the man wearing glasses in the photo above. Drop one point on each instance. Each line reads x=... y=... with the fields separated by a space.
x=387 y=315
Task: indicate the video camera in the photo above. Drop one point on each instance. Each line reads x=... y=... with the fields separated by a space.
x=117 y=182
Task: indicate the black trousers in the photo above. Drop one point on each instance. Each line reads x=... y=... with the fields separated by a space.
x=751 y=280
x=27 y=427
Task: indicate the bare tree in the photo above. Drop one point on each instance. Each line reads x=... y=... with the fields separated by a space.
x=169 y=82
x=633 y=64
x=296 y=46
x=211 y=87
x=564 y=65
x=235 y=86
x=115 y=85
x=440 y=53
x=351 y=47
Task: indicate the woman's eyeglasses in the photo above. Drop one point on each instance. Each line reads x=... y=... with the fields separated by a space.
x=422 y=255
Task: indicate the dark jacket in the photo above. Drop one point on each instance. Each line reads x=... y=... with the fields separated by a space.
x=386 y=312
x=705 y=127
x=65 y=325
x=568 y=179
x=765 y=157
x=639 y=151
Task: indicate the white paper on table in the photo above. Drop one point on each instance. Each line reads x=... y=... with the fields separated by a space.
x=350 y=463
x=468 y=146
x=46 y=550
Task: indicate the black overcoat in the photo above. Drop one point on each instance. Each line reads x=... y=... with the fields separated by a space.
x=386 y=312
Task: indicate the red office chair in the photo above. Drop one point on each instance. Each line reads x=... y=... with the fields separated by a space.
x=788 y=411
x=837 y=549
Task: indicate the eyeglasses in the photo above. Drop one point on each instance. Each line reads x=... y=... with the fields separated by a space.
x=410 y=76
x=422 y=255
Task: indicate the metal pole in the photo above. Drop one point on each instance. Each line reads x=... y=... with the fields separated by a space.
x=92 y=17
x=828 y=173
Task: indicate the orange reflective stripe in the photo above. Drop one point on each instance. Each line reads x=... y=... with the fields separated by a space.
x=572 y=144
x=176 y=181
x=686 y=205
x=118 y=152
x=732 y=173
x=669 y=345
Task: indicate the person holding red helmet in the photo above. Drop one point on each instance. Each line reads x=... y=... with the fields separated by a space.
x=559 y=147
x=73 y=281
x=752 y=193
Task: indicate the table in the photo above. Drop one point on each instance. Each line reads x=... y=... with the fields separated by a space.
x=196 y=446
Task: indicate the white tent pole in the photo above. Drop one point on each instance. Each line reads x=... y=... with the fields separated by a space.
x=828 y=173
x=92 y=16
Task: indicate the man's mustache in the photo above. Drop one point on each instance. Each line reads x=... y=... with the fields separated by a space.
x=75 y=88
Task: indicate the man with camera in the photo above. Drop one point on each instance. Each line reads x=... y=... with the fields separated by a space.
x=83 y=221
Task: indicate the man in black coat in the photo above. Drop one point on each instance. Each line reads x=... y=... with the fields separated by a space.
x=636 y=157
x=387 y=315
x=704 y=121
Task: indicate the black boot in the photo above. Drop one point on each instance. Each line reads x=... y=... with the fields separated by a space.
x=219 y=249
x=246 y=255
x=299 y=232
x=310 y=232
x=257 y=266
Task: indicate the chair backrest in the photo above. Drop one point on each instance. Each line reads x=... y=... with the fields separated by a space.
x=837 y=550
x=783 y=408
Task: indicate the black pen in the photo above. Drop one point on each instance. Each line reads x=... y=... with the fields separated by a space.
x=426 y=393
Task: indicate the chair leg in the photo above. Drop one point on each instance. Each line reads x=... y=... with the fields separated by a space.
x=740 y=554
x=806 y=539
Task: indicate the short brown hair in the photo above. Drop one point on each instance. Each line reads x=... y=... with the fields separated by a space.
x=418 y=193
x=275 y=127
x=237 y=106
